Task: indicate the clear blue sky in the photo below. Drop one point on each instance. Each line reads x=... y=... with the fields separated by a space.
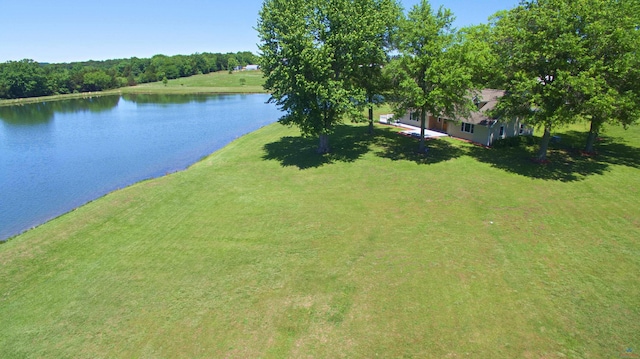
x=73 y=30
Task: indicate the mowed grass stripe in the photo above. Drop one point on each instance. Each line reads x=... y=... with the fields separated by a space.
x=264 y=249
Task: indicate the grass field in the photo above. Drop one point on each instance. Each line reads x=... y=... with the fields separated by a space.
x=265 y=249
x=215 y=82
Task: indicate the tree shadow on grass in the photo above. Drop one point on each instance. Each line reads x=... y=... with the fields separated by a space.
x=567 y=163
x=347 y=143
x=610 y=150
x=396 y=147
x=563 y=165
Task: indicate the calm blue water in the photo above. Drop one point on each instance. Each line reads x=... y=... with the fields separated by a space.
x=59 y=155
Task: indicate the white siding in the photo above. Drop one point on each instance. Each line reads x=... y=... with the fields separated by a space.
x=411 y=118
x=480 y=133
x=487 y=135
x=484 y=135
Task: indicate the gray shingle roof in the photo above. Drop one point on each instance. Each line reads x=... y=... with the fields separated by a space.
x=486 y=101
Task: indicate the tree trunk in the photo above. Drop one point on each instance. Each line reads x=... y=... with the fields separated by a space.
x=423 y=121
x=593 y=134
x=544 y=144
x=371 y=120
x=323 y=145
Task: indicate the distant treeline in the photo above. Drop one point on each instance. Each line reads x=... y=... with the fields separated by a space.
x=27 y=78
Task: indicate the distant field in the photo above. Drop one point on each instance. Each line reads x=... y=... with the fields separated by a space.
x=216 y=82
x=265 y=249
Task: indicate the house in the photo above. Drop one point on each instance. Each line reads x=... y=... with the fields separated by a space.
x=478 y=127
x=251 y=68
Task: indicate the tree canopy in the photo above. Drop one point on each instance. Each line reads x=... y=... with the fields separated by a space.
x=607 y=88
x=432 y=74
x=27 y=78
x=566 y=61
x=313 y=54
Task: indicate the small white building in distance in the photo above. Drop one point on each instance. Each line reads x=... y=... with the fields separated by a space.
x=252 y=67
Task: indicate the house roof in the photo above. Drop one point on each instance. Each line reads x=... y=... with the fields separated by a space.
x=486 y=101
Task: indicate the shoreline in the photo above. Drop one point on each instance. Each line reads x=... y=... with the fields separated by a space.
x=37 y=222
x=150 y=178
x=32 y=100
x=207 y=84
x=133 y=90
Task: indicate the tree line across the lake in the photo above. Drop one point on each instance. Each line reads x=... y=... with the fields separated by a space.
x=559 y=62
x=27 y=78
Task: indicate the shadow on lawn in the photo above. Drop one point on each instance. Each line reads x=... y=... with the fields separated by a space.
x=348 y=143
x=613 y=151
x=567 y=162
x=396 y=147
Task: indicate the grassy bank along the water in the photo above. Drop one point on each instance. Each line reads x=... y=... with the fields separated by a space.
x=265 y=249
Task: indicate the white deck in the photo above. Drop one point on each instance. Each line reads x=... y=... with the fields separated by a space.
x=411 y=130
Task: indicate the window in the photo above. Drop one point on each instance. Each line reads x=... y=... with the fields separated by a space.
x=414 y=116
x=467 y=127
x=501 y=131
x=521 y=128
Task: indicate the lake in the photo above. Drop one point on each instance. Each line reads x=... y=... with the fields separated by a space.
x=56 y=156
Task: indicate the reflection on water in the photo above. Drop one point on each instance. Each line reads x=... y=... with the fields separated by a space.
x=55 y=156
x=36 y=113
x=158 y=99
x=32 y=114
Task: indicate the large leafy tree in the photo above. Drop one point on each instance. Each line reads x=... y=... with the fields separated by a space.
x=380 y=24
x=313 y=55
x=232 y=63
x=98 y=80
x=433 y=74
x=483 y=61
x=607 y=86
x=25 y=78
x=567 y=61
x=537 y=45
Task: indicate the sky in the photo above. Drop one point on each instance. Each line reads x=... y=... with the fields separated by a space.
x=58 y=31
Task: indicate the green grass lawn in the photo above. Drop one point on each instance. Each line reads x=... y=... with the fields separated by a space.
x=215 y=82
x=265 y=249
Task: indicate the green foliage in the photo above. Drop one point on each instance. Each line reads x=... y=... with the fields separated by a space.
x=313 y=53
x=606 y=87
x=433 y=73
x=24 y=78
x=27 y=78
x=166 y=66
x=514 y=141
x=484 y=62
x=232 y=63
x=97 y=81
x=59 y=82
x=380 y=21
x=567 y=61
